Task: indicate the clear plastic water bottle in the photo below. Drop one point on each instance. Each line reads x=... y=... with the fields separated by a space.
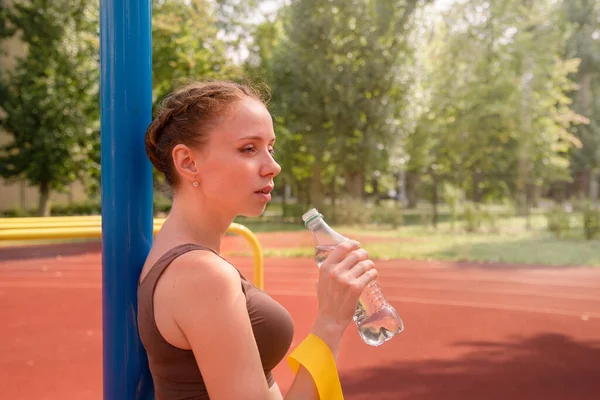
x=376 y=319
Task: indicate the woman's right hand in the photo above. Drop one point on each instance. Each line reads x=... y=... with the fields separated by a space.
x=342 y=278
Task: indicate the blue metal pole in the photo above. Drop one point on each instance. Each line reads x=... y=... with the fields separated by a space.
x=126 y=111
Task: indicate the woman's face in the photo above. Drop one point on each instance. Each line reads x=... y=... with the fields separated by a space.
x=236 y=165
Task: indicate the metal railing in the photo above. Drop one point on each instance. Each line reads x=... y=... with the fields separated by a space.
x=90 y=227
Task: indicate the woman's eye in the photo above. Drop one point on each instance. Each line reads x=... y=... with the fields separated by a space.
x=249 y=149
x=272 y=151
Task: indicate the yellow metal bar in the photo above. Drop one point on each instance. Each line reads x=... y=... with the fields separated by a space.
x=49 y=224
x=95 y=231
x=59 y=224
x=51 y=233
x=257 y=252
x=50 y=219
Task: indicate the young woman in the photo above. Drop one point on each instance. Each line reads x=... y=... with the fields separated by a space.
x=208 y=332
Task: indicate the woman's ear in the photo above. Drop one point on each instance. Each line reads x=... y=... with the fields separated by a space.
x=184 y=163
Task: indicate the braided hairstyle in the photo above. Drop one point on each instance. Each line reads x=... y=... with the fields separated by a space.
x=187 y=115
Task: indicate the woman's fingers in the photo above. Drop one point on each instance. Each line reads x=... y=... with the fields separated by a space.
x=366 y=278
x=353 y=258
x=340 y=272
x=341 y=251
x=360 y=268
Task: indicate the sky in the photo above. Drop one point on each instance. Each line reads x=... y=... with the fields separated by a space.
x=271 y=5
x=443 y=4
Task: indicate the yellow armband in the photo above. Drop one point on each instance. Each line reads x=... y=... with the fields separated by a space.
x=314 y=355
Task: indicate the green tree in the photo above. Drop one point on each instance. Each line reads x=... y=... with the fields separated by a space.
x=498 y=119
x=5 y=29
x=338 y=72
x=266 y=38
x=185 y=45
x=583 y=19
x=50 y=99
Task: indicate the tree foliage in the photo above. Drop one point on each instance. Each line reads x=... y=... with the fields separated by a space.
x=496 y=98
x=50 y=98
x=498 y=116
x=338 y=74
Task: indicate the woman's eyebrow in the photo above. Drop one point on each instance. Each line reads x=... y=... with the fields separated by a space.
x=254 y=137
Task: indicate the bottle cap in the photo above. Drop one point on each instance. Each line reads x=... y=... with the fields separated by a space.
x=310 y=215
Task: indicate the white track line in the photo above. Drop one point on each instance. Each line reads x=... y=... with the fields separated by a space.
x=488 y=306
x=500 y=279
x=386 y=284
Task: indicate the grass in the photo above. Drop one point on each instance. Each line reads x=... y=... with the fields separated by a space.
x=511 y=249
x=268 y=225
x=507 y=242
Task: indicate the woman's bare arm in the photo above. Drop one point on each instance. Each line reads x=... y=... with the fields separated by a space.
x=210 y=309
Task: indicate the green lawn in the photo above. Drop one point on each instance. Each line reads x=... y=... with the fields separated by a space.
x=508 y=242
x=518 y=249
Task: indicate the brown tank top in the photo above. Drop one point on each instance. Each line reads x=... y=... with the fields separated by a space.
x=174 y=371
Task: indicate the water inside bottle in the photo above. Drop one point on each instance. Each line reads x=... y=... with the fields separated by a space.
x=377 y=321
x=323 y=253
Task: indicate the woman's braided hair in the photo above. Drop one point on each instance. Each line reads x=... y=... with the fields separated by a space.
x=187 y=115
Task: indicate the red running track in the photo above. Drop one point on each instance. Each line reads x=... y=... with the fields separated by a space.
x=472 y=330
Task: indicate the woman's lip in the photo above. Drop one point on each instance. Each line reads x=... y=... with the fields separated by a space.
x=268 y=188
x=266 y=196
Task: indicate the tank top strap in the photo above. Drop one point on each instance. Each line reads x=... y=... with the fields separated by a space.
x=167 y=258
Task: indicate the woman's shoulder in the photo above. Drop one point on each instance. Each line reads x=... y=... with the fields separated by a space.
x=199 y=268
x=202 y=286
x=187 y=268
x=187 y=259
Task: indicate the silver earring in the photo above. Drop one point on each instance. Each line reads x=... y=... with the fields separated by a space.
x=195 y=183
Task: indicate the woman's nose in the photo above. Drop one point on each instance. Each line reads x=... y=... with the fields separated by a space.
x=271 y=167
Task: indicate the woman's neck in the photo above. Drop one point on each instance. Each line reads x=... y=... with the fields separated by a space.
x=194 y=221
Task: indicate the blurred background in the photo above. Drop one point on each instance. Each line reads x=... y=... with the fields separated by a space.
x=459 y=116
x=458 y=140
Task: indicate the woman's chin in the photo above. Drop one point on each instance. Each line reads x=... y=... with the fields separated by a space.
x=254 y=213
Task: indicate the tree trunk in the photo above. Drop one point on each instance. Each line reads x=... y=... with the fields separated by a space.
x=23 y=196
x=375 y=184
x=401 y=187
x=524 y=170
x=303 y=192
x=333 y=200
x=594 y=178
x=356 y=184
x=434 y=199
x=412 y=189
x=284 y=198
x=521 y=187
x=476 y=179
x=585 y=102
x=316 y=186
x=44 y=205
x=536 y=194
x=585 y=94
x=528 y=203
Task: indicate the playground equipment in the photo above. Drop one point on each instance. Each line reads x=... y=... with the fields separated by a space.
x=127 y=224
x=83 y=227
